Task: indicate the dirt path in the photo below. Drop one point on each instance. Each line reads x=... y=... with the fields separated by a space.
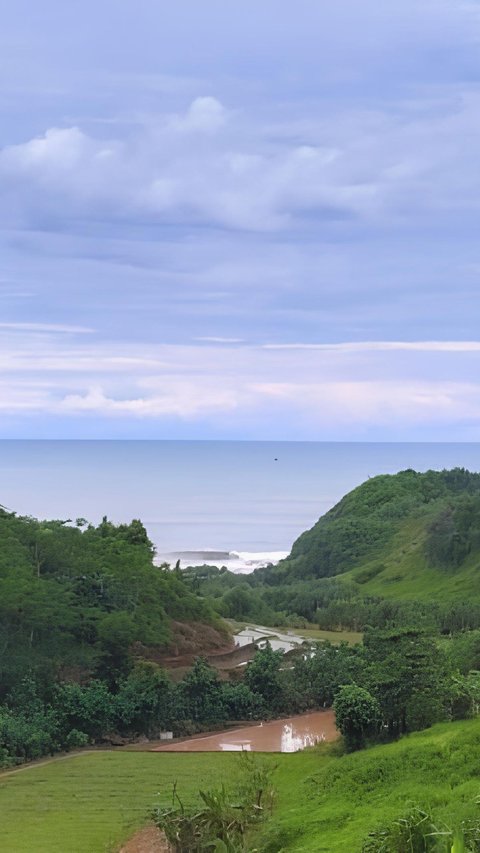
x=146 y=840
x=31 y=765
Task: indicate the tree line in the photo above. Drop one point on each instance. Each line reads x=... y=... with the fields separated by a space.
x=397 y=681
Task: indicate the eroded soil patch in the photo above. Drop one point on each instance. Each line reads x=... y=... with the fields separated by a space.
x=147 y=840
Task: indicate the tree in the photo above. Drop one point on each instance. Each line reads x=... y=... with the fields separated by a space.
x=240 y=703
x=199 y=695
x=357 y=715
x=332 y=666
x=239 y=602
x=143 y=702
x=262 y=676
x=116 y=633
x=406 y=673
x=84 y=709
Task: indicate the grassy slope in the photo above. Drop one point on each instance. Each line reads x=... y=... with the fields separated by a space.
x=379 y=530
x=401 y=571
x=330 y=803
x=326 y=802
x=314 y=633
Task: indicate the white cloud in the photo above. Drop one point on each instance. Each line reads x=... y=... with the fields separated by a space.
x=178 y=398
x=214 y=166
x=318 y=390
x=61 y=328
x=383 y=346
x=383 y=404
x=219 y=340
x=204 y=114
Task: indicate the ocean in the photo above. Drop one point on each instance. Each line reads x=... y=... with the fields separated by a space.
x=239 y=503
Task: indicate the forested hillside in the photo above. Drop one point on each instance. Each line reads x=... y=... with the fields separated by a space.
x=86 y=616
x=376 y=520
x=75 y=598
x=399 y=549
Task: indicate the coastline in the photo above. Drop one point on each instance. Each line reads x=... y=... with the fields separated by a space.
x=236 y=561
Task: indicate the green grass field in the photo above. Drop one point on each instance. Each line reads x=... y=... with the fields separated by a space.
x=335 y=637
x=90 y=803
x=326 y=801
x=313 y=632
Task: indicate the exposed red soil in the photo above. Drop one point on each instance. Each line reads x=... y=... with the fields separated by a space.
x=226 y=661
x=232 y=657
x=190 y=640
x=146 y=840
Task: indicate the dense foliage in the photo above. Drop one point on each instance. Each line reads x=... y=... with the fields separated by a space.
x=397 y=681
x=81 y=605
x=400 y=549
x=66 y=715
x=330 y=603
x=74 y=598
x=367 y=519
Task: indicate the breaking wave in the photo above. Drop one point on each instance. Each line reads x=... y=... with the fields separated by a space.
x=240 y=562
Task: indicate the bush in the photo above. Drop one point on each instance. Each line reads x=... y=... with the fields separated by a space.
x=222 y=822
x=418 y=832
x=357 y=715
x=76 y=739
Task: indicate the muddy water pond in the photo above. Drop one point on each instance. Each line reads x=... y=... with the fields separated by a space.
x=288 y=735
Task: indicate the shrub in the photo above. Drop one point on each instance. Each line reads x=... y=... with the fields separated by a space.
x=223 y=820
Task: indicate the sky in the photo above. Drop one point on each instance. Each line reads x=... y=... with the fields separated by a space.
x=247 y=496
x=240 y=220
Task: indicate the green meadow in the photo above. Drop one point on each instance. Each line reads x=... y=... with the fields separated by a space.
x=335 y=637
x=326 y=801
x=90 y=803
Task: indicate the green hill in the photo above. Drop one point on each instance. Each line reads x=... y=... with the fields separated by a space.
x=78 y=599
x=407 y=536
x=330 y=802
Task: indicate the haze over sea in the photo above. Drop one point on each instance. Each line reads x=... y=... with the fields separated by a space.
x=249 y=497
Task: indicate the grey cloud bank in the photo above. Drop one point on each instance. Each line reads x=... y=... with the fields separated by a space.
x=240 y=221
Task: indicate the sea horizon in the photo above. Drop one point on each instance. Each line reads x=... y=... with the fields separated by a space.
x=246 y=498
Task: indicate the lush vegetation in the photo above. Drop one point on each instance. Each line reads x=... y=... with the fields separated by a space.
x=74 y=597
x=325 y=800
x=400 y=549
x=352 y=803
x=84 y=611
x=403 y=674
x=364 y=523
x=63 y=715
x=397 y=681
x=81 y=608
x=227 y=817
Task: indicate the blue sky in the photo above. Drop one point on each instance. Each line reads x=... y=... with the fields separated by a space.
x=254 y=220
x=206 y=495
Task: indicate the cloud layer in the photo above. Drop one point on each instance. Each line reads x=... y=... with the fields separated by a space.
x=215 y=167
x=213 y=228
x=228 y=389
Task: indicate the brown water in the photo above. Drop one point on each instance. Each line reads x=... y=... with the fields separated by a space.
x=287 y=735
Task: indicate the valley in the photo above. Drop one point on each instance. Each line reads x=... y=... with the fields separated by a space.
x=351 y=668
